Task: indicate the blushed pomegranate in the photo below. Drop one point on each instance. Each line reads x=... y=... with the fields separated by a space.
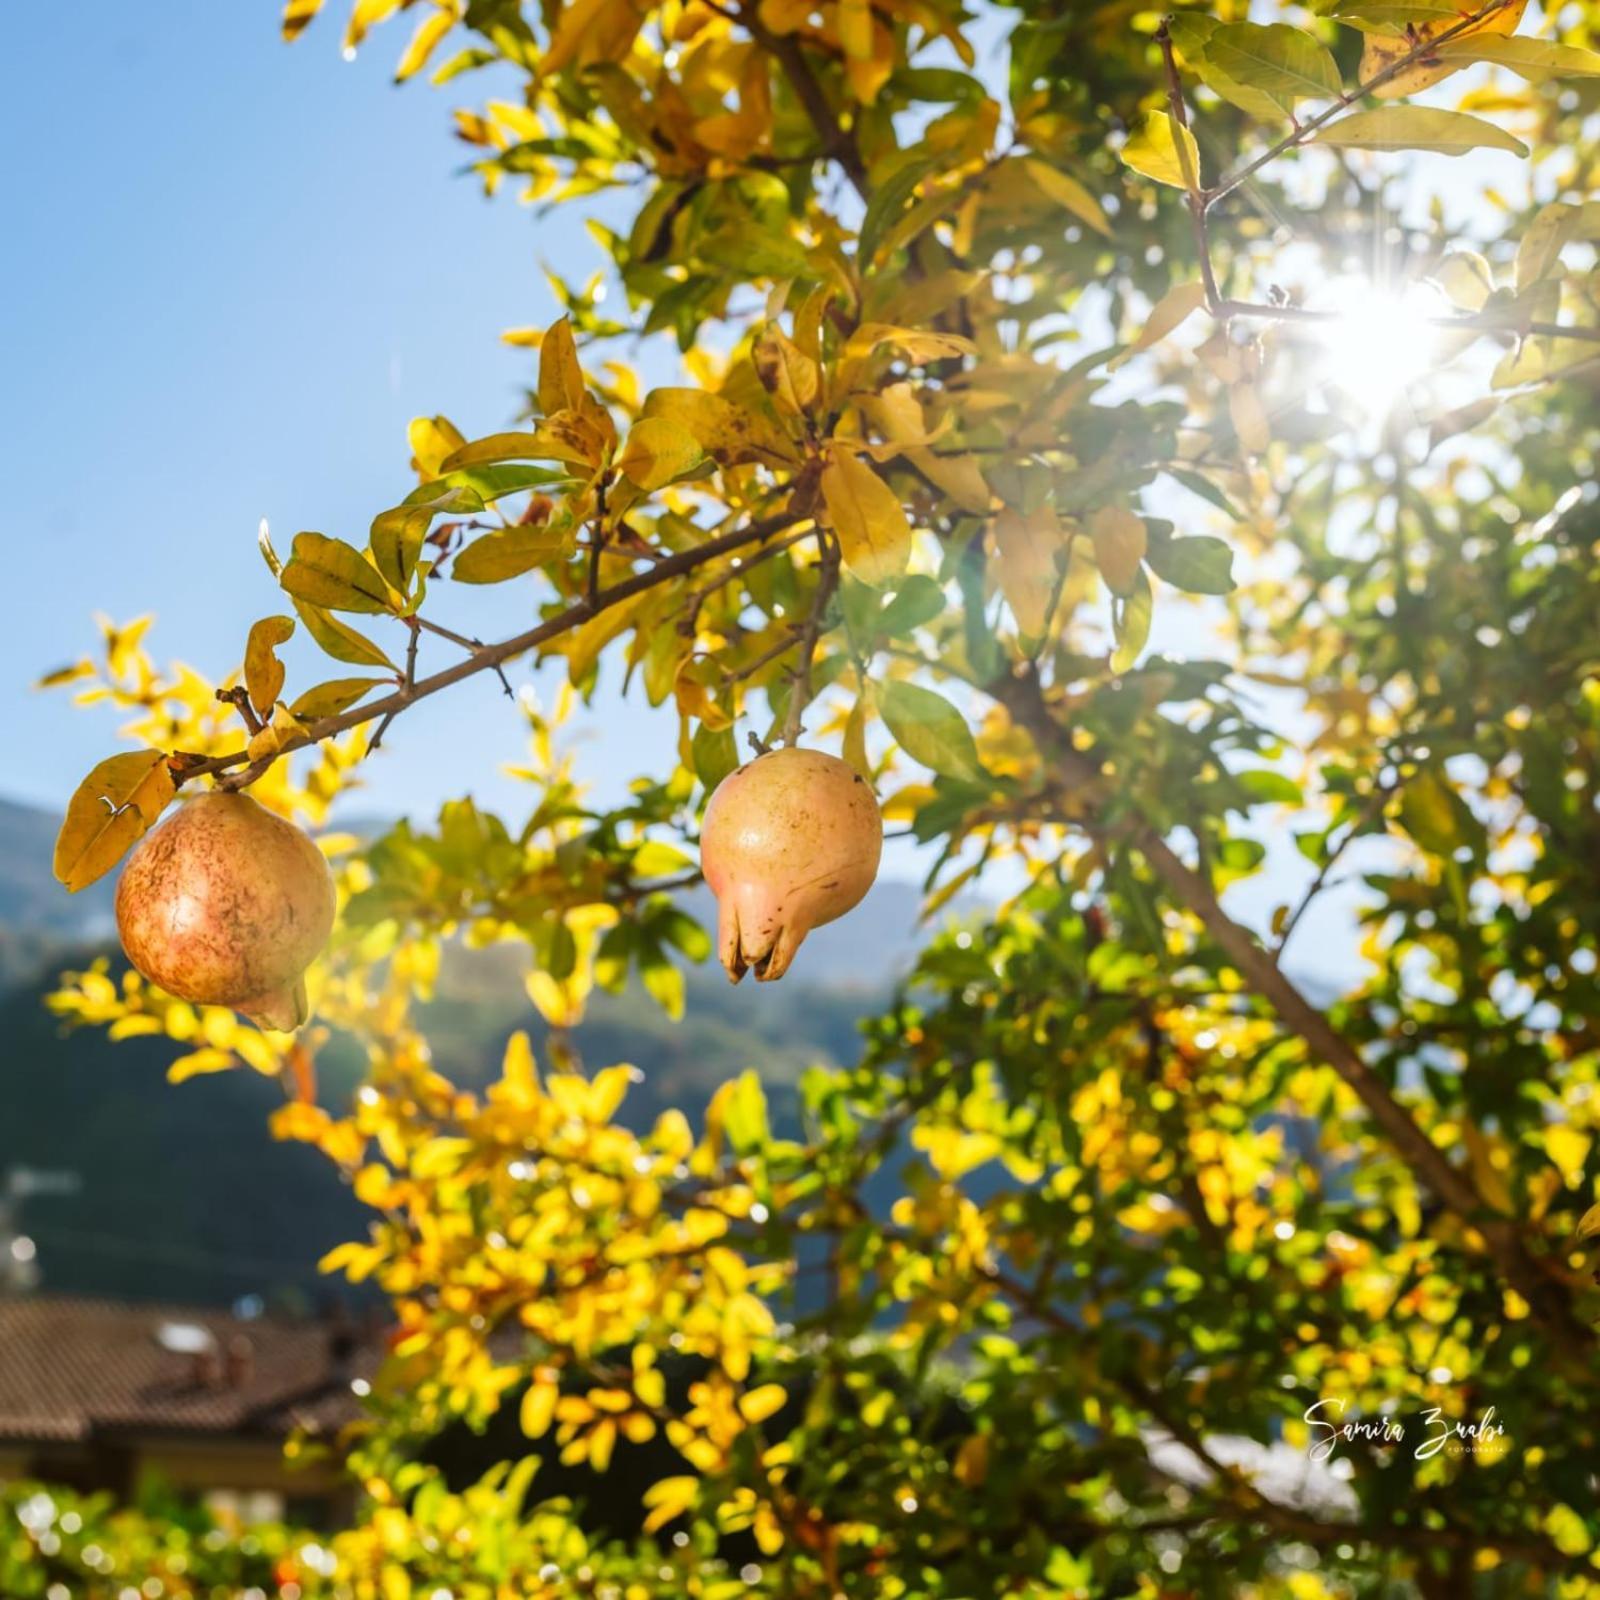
x=789 y=842
x=227 y=905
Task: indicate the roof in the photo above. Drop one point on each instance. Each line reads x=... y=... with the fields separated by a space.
x=71 y=1368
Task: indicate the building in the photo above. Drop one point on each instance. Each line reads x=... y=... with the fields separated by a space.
x=108 y=1395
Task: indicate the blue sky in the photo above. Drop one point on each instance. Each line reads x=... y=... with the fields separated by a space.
x=232 y=270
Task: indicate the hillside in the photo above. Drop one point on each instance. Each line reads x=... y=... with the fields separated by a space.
x=184 y=1194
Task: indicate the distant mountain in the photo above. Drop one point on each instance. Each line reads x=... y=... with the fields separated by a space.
x=183 y=1192
x=31 y=900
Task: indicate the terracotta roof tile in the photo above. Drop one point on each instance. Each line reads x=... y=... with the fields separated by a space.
x=70 y=1368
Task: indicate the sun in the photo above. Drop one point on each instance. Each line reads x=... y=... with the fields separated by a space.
x=1379 y=342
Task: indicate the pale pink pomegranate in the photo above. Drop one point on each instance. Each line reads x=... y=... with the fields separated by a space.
x=789 y=842
x=227 y=905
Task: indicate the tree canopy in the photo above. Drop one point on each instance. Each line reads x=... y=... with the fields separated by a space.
x=1136 y=448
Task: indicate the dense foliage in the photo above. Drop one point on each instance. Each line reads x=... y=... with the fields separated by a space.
x=1057 y=1291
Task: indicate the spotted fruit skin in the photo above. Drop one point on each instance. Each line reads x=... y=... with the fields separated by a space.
x=789 y=842
x=226 y=904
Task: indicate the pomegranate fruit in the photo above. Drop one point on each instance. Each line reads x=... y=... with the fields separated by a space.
x=789 y=842
x=227 y=904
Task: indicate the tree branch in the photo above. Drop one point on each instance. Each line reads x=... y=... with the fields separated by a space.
x=1546 y=1294
x=494 y=656
x=1469 y=322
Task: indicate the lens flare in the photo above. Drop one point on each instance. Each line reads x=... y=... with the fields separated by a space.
x=1379 y=342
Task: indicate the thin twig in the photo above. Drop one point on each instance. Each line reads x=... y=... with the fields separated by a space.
x=407 y=688
x=467 y=642
x=239 y=698
x=1313 y=125
x=1194 y=194
x=1471 y=322
x=800 y=678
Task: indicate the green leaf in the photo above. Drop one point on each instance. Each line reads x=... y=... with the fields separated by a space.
x=683 y=933
x=1537 y=60
x=1197 y=565
x=918 y=600
x=1395 y=16
x=1130 y=619
x=889 y=197
x=663 y=979
x=397 y=534
x=339 y=640
x=1270 y=788
x=490 y=483
x=1539 y=253
x=930 y=730
x=1190 y=33
x=1447 y=133
x=1198 y=484
x=329 y=572
x=495 y=557
x=1164 y=150
x=1438 y=818
x=108 y=811
x=743 y=1105
x=330 y=698
x=715 y=753
x=1281 y=61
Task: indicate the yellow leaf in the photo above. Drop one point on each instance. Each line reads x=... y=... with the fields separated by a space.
x=432 y=439
x=668 y=1499
x=330 y=698
x=1163 y=149
x=972 y=1460
x=339 y=640
x=560 y=377
x=1120 y=540
x=297 y=15
x=759 y=1404
x=914 y=344
x=855 y=737
x=561 y=436
x=1171 y=311
x=855 y=29
x=874 y=535
x=423 y=43
x=1025 y=550
x=657 y=451
x=538 y=1407
x=108 y=811
x=733 y=435
x=278 y=733
x=1249 y=418
x=330 y=573
x=263 y=671
x=1382 y=50
x=1568 y=1149
x=787 y=373
x=1067 y=192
